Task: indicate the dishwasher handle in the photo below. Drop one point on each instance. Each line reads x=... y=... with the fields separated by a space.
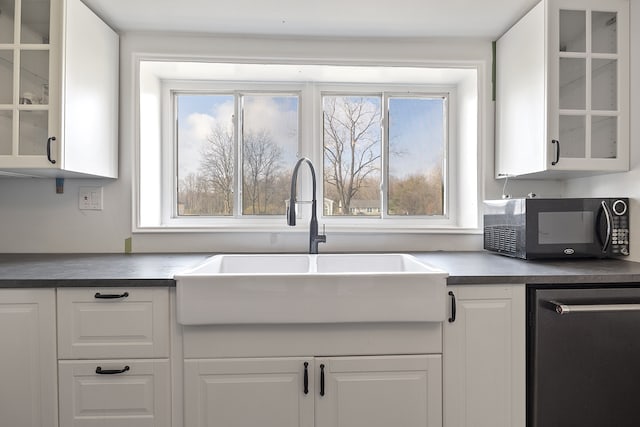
x=563 y=309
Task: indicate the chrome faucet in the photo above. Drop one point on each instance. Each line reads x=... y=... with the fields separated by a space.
x=314 y=237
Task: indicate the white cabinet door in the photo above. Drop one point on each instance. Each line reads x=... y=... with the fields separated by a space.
x=127 y=393
x=588 y=77
x=248 y=392
x=101 y=323
x=27 y=48
x=379 y=391
x=58 y=110
x=28 y=388
x=562 y=82
x=91 y=91
x=484 y=357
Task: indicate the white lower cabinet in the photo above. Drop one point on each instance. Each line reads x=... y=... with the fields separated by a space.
x=106 y=323
x=115 y=393
x=113 y=351
x=265 y=392
x=371 y=391
x=380 y=391
x=113 y=368
x=28 y=390
x=484 y=357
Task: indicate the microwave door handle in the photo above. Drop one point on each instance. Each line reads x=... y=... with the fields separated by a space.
x=607 y=216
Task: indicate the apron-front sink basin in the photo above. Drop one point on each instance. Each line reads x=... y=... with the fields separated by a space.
x=297 y=288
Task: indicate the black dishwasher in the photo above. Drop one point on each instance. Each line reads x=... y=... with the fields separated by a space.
x=583 y=356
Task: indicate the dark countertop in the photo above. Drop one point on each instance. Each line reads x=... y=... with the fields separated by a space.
x=65 y=270
x=486 y=268
x=60 y=270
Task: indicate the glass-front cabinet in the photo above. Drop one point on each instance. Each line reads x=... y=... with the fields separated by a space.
x=39 y=64
x=25 y=52
x=583 y=69
x=587 y=57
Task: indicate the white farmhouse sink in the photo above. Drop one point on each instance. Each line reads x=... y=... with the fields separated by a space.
x=324 y=288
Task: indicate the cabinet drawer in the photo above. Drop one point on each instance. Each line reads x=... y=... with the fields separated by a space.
x=134 y=324
x=139 y=396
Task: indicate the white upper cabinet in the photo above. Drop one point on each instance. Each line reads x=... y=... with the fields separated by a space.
x=562 y=102
x=58 y=90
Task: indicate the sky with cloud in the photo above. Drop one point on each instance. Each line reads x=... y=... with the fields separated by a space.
x=199 y=115
x=416 y=128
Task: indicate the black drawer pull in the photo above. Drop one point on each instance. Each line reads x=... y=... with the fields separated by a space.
x=321 y=379
x=306 y=378
x=557 y=145
x=53 y=138
x=453 y=307
x=111 y=296
x=101 y=371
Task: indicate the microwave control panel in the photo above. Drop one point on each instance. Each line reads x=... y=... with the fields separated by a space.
x=620 y=225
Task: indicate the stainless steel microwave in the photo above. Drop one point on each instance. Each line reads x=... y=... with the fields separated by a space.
x=531 y=228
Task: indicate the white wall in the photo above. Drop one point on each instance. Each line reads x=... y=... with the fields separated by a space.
x=35 y=219
x=623 y=184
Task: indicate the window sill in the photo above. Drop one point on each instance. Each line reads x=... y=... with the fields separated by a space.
x=343 y=229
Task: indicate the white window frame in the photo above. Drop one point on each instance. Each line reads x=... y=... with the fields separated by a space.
x=386 y=221
x=468 y=134
x=169 y=184
x=310 y=144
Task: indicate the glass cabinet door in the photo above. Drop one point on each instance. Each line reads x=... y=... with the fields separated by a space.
x=24 y=77
x=588 y=105
x=604 y=84
x=6 y=101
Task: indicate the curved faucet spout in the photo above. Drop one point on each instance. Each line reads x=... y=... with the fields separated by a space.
x=314 y=237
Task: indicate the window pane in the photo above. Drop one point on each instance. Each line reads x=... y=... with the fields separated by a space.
x=269 y=148
x=604 y=32
x=416 y=156
x=35 y=21
x=573 y=83
x=34 y=77
x=33 y=129
x=604 y=137
x=573 y=136
x=6 y=132
x=352 y=148
x=573 y=31
x=7 y=8
x=6 y=76
x=604 y=84
x=206 y=155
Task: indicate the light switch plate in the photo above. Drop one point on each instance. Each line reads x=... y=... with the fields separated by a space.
x=90 y=198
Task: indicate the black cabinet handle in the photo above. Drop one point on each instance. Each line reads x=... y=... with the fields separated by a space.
x=101 y=371
x=557 y=144
x=306 y=378
x=321 y=379
x=453 y=307
x=111 y=296
x=53 y=138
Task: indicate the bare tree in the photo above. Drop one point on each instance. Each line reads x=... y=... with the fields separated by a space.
x=417 y=194
x=217 y=166
x=352 y=141
x=262 y=163
x=190 y=195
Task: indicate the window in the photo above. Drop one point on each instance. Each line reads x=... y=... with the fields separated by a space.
x=234 y=168
x=386 y=143
x=407 y=161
